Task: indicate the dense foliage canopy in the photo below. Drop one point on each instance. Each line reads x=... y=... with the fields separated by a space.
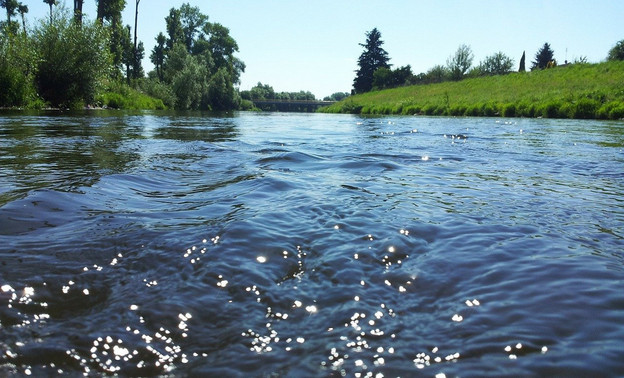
x=70 y=61
x=617 y=51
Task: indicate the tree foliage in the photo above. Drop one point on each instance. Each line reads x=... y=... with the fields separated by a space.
x=617 y=51
x=372 y=58
x=522 y=67
x=460 y=62
x=496 y=64
x=72 y=61
x=197 y=60
x=543 y=58
x=385 y=78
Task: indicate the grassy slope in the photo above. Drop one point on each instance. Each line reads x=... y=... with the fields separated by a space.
x=574 y=91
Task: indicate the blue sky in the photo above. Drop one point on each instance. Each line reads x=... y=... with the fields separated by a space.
x=313 y=46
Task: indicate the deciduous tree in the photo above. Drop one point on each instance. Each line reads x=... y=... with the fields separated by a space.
x=496 y=64
x=372 y=58
x=459 y=63
x=617 y=51
x=157 y=56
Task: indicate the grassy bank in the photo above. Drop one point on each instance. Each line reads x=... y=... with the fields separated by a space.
x=574 y=91
x=122 y=96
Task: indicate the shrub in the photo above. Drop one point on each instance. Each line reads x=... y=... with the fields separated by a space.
x=17 y=58
x=429 y=109
x=605 y=109
x=488 y=110
x=411 y=110
x=617 y=112
x=74 y=61
x=585 y=108
x=473 y=110
x=509 y=110
x=550 y=110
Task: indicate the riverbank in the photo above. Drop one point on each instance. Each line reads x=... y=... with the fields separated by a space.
x=581 y=91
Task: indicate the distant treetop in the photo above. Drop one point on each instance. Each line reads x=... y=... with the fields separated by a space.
x=372 y=58
x=543 y=57
x=617 y=52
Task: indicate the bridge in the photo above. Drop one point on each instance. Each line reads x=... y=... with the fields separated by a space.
x=290 y=105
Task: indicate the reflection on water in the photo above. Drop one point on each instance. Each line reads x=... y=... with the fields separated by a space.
x=309 y=245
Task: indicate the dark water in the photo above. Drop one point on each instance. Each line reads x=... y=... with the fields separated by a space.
x=310 y=245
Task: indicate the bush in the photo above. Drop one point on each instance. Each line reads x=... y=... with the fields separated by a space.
x=604 y=111
x=550 y=110
x=585 y=109
x=457 y=110
x=617 y=112
x=473 y=110
x=429 y=109
x=74 y=61
x=509 y=110
x=17 y=58
x=488 y=110
x=411 y=110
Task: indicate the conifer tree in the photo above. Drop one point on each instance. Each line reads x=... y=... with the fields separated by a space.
x=522 y=64
x=373 y=57
x=543 y=57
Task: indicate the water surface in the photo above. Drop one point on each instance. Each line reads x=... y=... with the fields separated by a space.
x=310 y=245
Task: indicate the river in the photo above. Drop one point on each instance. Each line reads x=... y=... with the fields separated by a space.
x=268 y=244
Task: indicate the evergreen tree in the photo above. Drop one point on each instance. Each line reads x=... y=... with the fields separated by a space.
x=522 y=64
x=373 y=57
x=543 y=57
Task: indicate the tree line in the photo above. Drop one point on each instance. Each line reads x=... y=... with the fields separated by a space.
x=69 y=61
x=375 y=72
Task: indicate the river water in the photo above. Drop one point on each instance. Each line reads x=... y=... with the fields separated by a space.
x=310 y=245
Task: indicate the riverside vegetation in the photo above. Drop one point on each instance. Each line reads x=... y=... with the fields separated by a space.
x=491 y=88
x=572 y=91
x=71 y=61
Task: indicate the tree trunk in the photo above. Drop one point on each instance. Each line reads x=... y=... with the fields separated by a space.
x=78 y=11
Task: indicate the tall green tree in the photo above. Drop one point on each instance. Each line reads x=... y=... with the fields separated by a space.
x=496 y=64
x=22 y=9
x=617 y=51
x=157 y=56
x=11 y=8
x=51 y=3
x=460 y=62
x=193 y=22
x=522 y=67
x=174 y=29
x=372 y=58
x=109 y=16
x=543 y=57
x=110 y=10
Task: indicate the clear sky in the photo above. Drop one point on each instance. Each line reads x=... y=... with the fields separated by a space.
x=296 y=45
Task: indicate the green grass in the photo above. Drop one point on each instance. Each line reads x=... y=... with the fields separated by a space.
x=581 y=91
x=122 y=96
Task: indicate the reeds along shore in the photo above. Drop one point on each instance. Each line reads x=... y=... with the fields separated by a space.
x=580 y=91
